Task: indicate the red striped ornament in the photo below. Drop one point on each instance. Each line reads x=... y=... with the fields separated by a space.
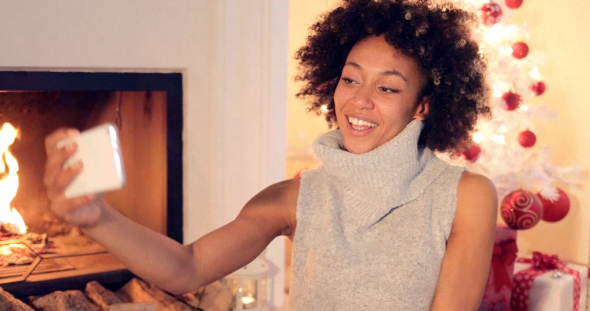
x=521 y=209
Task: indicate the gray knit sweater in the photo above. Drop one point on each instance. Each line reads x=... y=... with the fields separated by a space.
x=372 y=228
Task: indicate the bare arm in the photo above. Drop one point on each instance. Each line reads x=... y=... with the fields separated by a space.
x=466 y=264
x=158 y=259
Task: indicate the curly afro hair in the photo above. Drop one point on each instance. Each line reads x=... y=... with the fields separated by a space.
x=436 y=36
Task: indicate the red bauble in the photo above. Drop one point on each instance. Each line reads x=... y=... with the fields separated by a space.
x=521 y=209
x=491 y=13
x=520 y=50
x=556 y=210
x=527 y=138
x=472 y=153
x=510 y=101
x=513 y=4
x=538 y=88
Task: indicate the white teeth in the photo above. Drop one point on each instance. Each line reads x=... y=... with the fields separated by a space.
x=355 y=121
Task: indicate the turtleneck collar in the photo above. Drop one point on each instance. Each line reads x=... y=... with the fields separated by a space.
x=383 y=178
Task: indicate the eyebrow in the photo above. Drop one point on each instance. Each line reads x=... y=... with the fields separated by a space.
x=392 y=72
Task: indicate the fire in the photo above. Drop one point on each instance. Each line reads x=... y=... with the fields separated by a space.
x=9 y=180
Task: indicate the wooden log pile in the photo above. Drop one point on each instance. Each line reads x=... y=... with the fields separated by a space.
x=136 y=295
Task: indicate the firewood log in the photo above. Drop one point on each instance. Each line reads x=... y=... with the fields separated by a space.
x=137 y=290
x=71 y=300
x=9 y=303
x=216 y=297
x=192 y=299
x=101 y=296
x=138 y=306
x=213 y=297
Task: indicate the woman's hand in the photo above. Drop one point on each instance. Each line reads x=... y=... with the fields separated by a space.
x=84 y=211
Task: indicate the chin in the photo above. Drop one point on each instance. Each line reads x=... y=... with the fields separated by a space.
x=357 y=149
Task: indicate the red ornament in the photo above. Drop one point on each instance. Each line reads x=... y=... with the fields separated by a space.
x=472 y=153
x=521 y=209
x=538 y=88
x=513 y=4
x=527 y=139
x=520 y=50
x=491 y=13
x=556 y=210
x=510 y=101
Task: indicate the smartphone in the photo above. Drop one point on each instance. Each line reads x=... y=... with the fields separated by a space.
x=99 y=149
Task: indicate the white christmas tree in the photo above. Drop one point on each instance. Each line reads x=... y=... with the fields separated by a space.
x=505 y=147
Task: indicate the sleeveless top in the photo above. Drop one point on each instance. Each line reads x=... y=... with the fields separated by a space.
x=372 y=228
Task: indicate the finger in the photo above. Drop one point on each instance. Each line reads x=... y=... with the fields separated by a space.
x=62 y=206
x=84 y=200
x=54 y=164
x=52 y=139
x=62 y=179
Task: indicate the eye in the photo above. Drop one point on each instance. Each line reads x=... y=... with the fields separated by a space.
x=347 y=80
x=387 y=90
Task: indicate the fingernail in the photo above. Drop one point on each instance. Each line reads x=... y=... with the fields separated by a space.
x=72 y=132
x=77 y=165
x=70 y=147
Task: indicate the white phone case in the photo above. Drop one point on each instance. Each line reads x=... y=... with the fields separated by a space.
x=100 y=152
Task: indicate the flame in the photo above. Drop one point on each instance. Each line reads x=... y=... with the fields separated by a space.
x=9 y=179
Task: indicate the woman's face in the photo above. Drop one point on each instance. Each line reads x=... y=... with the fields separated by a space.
x=377 y=95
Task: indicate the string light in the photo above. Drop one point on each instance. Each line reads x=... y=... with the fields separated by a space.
x=535 y=73
x=477 y=137
x=499 y=138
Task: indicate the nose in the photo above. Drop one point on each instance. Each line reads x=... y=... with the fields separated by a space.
x=362 y=99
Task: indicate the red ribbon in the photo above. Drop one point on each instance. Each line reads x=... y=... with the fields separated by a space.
x=540 y=264
x=503 y=258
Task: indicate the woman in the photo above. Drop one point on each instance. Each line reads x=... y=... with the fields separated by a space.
x=382 y=224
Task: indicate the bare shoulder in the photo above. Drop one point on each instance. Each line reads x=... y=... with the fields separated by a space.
x=275 y=206
x=477 y=201
x=472 y=181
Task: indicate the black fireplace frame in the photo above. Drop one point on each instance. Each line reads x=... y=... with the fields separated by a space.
x=171 y=83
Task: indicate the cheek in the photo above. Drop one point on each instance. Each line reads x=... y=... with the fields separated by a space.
x=342 y=94
x=393 y=113
x=338 y=95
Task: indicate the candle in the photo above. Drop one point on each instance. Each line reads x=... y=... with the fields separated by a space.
x=248 y=302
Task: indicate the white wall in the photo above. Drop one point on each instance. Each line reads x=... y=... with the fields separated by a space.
x=233 y=57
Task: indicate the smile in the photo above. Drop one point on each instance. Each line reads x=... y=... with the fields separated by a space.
x=359 y=125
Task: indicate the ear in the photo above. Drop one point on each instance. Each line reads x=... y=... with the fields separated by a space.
x=422 y=109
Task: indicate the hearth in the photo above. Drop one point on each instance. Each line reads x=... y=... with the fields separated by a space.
x=147 y=108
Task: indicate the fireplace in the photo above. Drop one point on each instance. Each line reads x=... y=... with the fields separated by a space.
x=147 y=108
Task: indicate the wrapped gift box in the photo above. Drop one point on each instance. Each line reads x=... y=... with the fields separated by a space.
x=499 y=286
x=554 y=289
